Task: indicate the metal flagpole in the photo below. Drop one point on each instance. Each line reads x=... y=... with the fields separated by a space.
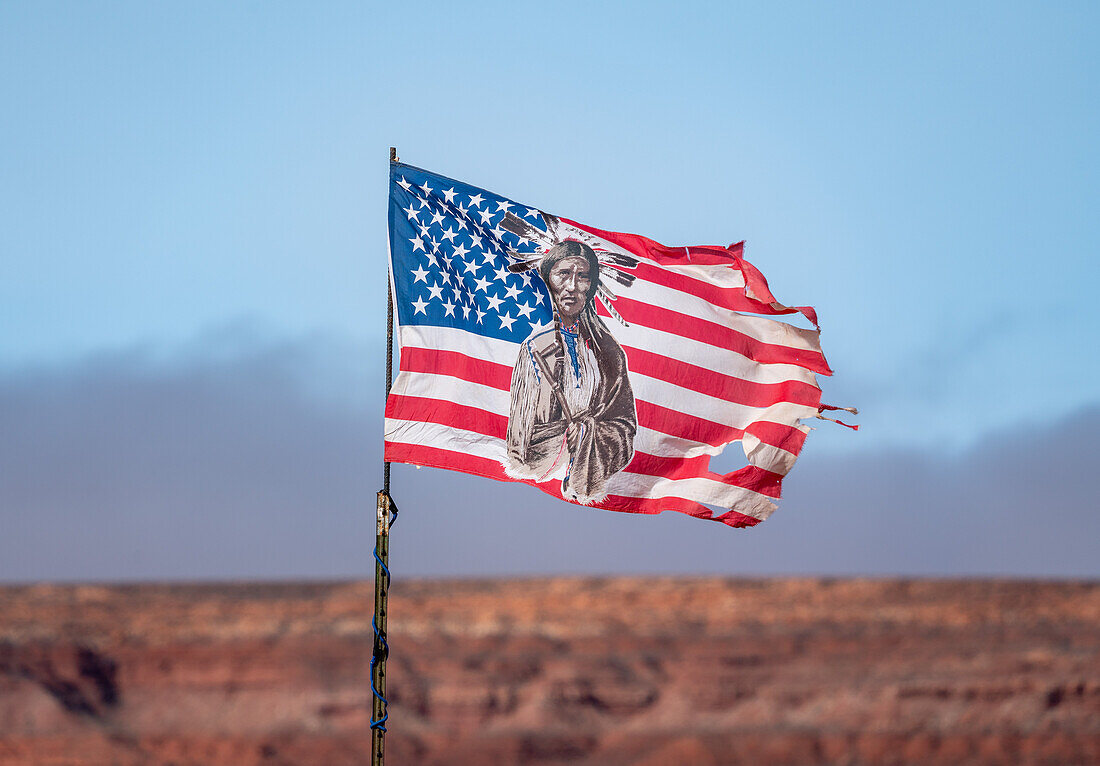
x=386 y=514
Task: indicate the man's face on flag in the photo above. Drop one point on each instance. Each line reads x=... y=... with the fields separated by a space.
x=570 y=283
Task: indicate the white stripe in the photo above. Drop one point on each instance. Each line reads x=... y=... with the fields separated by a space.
x=418 y=433
x=768 y=457
x=432 y=385
x=454 y=339
x=719 y=275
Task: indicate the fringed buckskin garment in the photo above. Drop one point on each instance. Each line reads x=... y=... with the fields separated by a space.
x=588 y=367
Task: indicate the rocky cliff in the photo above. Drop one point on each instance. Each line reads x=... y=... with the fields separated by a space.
x=579 y=671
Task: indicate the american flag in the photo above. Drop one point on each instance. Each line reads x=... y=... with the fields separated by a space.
x=706 y=369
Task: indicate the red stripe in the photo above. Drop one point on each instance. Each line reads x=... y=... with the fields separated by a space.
x=683 y=426
x=682 y=505
x=726 y=387
x=778 y=435
x=705 y=255
x=456 y=461
x=447 y=413
x=716 y=334
x=435 y=457
x=457 y=366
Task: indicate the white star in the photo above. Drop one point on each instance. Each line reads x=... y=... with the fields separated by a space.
x=512 y=293
x=450 y=194
x=532 y=213
x=482 y=284
x=460 y=251
x=486 y=216
x=507 y=320
x=480 y=315
x=420 y=304
x=461 y=222
x=417 y=243
x=475 y=238
x=421 y=275
x=431 y=258
x=446 y=274
x=524 y=310
x=449 y=308
x=501 y=274
x=427 y=189
x=526 y=277
x=447 y=260
x=470 y=266
x=437 y=217
x=494 y=302
x=411 y=212
x=476 y=200
x=540 y=298
x=465 y=311
x=449 y=235
x=503 y=206
x=404 y=184
x=436 y=291
x=435 y=245
x=423 y=227
x=487 y=258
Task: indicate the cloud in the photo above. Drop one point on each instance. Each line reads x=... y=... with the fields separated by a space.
x=250 y=457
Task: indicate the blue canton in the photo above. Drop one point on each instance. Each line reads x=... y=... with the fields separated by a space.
x=448 y=256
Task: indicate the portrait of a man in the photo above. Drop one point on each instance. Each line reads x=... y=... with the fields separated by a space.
x=572 y=412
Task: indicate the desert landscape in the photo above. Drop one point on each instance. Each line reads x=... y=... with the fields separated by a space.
x=608 y=672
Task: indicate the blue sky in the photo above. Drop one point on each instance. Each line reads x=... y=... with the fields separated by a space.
x=187 y=188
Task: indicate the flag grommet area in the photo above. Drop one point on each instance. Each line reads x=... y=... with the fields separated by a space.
x=603 y=368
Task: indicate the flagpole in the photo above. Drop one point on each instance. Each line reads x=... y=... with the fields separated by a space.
x=384 y=517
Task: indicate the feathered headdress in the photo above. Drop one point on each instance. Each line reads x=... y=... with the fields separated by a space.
x=611 y=263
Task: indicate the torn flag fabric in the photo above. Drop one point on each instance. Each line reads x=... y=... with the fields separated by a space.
x=603 y=368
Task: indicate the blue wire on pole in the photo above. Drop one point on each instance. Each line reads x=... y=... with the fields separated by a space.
x=382 y=646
